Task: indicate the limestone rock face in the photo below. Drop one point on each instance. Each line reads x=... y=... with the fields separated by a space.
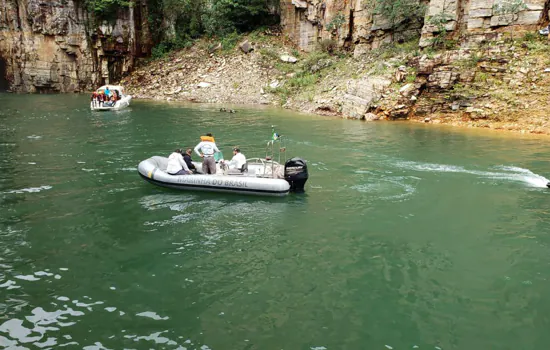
x=355 y=23
x=361 y=95
x=56 y=46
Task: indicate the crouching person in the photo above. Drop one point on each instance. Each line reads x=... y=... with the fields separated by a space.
x=176 y=164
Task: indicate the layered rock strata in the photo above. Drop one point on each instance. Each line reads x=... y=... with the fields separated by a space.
x=358 y=24
x=57 y=46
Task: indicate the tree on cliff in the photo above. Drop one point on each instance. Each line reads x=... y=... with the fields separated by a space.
x=226 y=16
x=186 y=15
x=106 y=8
x=397 y=12
x=177 y=22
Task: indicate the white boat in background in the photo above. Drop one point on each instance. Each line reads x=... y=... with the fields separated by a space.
x=122 y=102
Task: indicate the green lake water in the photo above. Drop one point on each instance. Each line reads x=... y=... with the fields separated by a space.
x=408 y=235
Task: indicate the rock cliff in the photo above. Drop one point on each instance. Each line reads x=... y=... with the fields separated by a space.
x=458 y=46
x=366 y=24
x=500 y=84
x=58 y=46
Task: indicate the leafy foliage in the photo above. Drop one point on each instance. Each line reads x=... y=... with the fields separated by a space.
x=106 y=8
x=336 y=22
x=439 y=21
x=229 y=41
x=163 y=48
x=192 y=19
x=509 y=7
x=327 y=45
x=227 y=16
x=398 y=12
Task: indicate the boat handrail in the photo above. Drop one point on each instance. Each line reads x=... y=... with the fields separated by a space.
x=268 y=171
x=270 y=146
x=260 y=160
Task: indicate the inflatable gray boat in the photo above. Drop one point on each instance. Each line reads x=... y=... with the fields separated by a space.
x=259 y=176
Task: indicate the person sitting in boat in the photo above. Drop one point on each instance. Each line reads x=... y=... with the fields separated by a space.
x=206 y=149
x=176 y=164
x=101 y=98
x=189 y=161
x=237 y=162
x=107 y=91
x=110 y=102
x=94 y=99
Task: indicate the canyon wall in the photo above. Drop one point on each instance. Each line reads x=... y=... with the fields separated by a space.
x=58 y=46
x=359 y=25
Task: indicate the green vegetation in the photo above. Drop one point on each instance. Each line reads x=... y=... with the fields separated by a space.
x=335 y=24
x=314 y=58
x=536 y=44
x=481 y=77
x=508 y=12
x=106 y=9
x=411 y=78
x=302 y=76
x=440 y=40
x=380 y=60
x=470 y=61
x=302 y=81
x=221 y=17
x=461 y=91
x=392 y=50
x=230 y=40
x=327 y=45
x=176 y=24
x=398 y=12
x=269 y=54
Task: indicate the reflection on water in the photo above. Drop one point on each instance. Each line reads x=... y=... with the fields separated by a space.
x=407 y=236
x=49 y=325
x=45 y=329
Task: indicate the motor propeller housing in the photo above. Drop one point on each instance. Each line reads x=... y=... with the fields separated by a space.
x=296 y=174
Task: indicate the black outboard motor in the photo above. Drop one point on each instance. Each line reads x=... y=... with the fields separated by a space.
x=296 y=174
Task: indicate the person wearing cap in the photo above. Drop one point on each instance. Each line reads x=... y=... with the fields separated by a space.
x=237 y=161
x=205 y=150
x=176 y=164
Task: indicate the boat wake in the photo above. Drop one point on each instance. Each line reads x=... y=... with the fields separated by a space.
x=504 y=173
x=389 y=188
x=30 y=190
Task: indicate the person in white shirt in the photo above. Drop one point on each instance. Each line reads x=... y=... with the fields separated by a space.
x=176 y=164
x=206 y=150
x=237 y=161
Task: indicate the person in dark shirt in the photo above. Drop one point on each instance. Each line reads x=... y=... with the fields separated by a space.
x=188 y=160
